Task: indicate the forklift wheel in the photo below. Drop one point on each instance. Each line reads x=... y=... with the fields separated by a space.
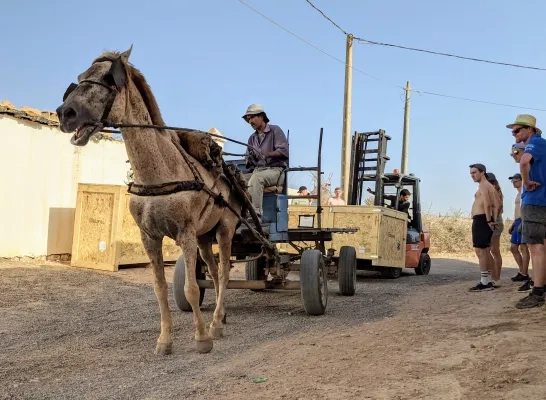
x=424 y=265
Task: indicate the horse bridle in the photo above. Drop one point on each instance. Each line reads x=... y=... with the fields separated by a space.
x=112 y=89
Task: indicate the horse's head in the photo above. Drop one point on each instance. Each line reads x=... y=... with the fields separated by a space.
x=94 y=99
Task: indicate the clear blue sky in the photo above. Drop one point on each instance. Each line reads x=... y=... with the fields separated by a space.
x=208 y=60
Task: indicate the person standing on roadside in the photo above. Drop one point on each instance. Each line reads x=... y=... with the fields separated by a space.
x=496 y=267
x=533 y=202
x=517 y=247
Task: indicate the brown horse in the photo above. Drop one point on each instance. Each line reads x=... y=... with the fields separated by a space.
x=175 y=192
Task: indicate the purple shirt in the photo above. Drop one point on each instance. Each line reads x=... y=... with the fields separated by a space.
x=273 y=140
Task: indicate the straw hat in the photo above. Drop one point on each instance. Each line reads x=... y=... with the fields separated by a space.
x=525 y=120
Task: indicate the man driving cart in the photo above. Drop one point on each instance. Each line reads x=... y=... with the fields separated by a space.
x=266 y=155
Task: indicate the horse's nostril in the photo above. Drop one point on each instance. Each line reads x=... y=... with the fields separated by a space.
x=69 y=114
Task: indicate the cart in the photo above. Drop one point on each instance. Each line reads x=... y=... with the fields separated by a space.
x=261 y=273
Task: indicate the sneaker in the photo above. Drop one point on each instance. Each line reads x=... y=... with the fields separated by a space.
x=528 y=285
x=520 y=277
x=530 y=301
x=480 y=287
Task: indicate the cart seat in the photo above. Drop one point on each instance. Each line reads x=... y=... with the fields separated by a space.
x=273 y=189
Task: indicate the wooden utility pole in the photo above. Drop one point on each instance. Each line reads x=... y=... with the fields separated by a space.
x=405 y=138
x=346 y=138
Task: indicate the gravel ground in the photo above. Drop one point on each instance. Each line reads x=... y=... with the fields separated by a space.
x=70 y=333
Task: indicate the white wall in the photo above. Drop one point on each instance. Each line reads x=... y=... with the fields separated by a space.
x=40 y=173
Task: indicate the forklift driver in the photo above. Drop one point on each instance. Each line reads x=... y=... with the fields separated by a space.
x=403 y=201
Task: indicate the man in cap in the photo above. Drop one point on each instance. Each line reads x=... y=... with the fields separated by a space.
x=266 y=156
x=483 y=224
x=533 y=201
x=519 y=249
x=302 y=191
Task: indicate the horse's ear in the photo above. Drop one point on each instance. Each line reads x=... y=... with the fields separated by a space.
x=118 y=74
x=126 y=54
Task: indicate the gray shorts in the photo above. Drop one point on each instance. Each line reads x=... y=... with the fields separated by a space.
x=499 y=227
x=533 y=223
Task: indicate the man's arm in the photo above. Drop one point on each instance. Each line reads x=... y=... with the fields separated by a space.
x=487 y=206
x=281 y=144
x=525 y=166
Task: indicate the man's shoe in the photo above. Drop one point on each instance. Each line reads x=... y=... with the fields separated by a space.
x=528 y=285
x=520 y=277
x=530 y=301
x=480 y=287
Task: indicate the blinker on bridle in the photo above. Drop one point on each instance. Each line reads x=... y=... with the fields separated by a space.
x=113 y=89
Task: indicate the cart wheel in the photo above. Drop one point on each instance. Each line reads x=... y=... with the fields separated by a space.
x=179 y=279
x=346 y=271
x=424 y=265
x=254 y=271
x=390 y=273
x=313 y=281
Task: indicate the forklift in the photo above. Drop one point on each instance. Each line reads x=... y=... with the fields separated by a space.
x=367 y=167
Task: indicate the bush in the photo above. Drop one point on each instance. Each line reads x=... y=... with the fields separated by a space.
x=451 y=235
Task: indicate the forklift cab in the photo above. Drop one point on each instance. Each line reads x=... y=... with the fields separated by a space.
x=393 y=184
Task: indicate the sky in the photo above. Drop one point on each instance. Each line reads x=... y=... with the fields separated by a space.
x=207 y=60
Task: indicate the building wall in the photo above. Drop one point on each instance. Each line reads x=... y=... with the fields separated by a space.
x=39 y=180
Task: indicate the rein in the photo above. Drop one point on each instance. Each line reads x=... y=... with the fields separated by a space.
x=181 y=186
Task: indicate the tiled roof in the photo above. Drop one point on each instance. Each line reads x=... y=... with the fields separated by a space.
x=31 y=114
x=42 y=117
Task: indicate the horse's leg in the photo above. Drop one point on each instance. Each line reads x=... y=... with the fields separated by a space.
x=154 y=249
x=224 y=236
x=188 y=243
x=205 y=249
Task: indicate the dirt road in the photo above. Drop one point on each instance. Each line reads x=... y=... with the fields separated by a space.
x=76 y=334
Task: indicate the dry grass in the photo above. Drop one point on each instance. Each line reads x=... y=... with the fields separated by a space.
x=450 y=234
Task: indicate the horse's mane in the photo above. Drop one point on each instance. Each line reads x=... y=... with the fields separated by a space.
x=142 y=86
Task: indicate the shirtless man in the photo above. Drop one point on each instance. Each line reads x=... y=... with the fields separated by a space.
x=336 y=200
x=484 y=214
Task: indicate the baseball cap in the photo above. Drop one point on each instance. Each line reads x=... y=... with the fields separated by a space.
x=520 y=145
x=515 y=176
x=301 y=189
x=479 y=167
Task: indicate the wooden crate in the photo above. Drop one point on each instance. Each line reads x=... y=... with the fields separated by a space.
x=105 y=234
x=381 y=237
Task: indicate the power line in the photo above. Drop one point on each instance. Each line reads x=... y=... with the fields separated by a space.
x=374 y=77
x=328 y=18
x=448 y=55
x=309 y=43
x=362 y=40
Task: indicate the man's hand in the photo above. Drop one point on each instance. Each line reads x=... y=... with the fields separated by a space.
x=531 y=185
x=511 y=229
x=492 y=225
x=369 y=190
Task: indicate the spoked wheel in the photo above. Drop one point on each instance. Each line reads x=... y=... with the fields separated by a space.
x=346 y=271
x=390 y=273
x=255 y=271
x=424 y=265
x=313 y=282
x=179 y=279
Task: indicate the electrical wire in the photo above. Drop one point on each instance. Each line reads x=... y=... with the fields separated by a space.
x=362 y=40
x=381 y=80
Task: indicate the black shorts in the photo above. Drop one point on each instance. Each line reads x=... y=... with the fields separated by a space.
x=533 y=224
x=481 y=232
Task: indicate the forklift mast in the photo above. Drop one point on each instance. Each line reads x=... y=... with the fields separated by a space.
x=368 y=159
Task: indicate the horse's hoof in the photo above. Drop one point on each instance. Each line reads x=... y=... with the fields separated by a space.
x=216 y=333
x=204 y=346
x=164 y=349
x=224 y=319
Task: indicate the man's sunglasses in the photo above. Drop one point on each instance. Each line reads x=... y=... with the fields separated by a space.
x=516 y=131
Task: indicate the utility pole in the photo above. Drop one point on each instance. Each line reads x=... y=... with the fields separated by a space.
x=346 y=138
x=405 y=138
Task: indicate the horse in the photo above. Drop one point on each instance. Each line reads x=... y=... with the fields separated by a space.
x=181 y=188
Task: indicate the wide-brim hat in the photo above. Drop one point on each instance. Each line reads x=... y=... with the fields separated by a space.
x=253 y=109
x=525 y=120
